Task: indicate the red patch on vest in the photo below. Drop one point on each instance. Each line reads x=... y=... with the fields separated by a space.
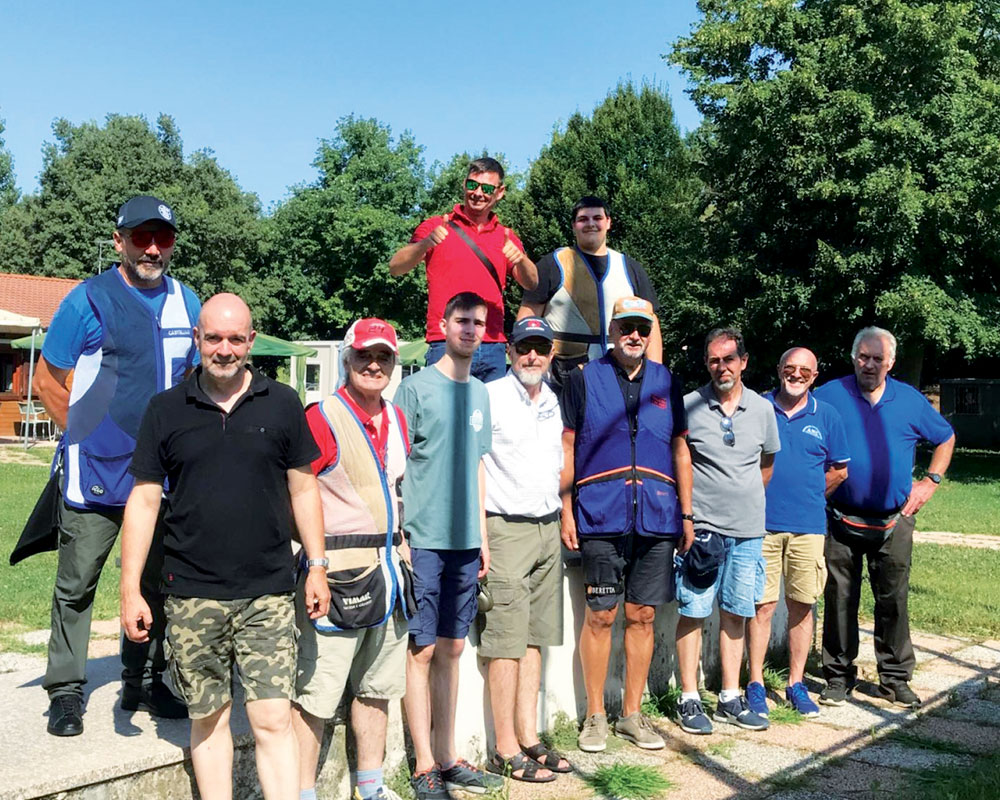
x=658 y=401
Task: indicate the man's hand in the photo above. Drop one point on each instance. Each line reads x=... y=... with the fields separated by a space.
x=512 y=252
x=484 y=560
x=136 y=617
x=435 y=237
x=567 y=532
x=920 y=494
x=687 y=537
x=317 y=593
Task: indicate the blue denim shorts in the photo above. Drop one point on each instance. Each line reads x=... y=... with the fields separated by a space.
x=445 y=583
x=739 y=584
x=489 y=362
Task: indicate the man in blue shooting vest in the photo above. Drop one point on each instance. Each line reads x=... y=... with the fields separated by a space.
x=577 y=287
x=626 y=489
x=125 y=335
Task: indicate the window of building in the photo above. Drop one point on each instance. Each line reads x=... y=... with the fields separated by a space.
x=967 y=400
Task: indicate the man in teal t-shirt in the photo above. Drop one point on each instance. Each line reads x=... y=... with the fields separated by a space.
x=448 y=416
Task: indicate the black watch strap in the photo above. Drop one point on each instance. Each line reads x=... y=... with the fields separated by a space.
x=934 y=476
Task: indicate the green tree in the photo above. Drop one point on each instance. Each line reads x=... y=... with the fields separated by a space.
x=8 y=186
x=630 y=152
x=333 y=238
x=89 y=170
x=852 y=152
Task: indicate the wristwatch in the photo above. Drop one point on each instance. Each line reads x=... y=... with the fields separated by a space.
x=689 y=517
x=934 y=476
x=317 y=562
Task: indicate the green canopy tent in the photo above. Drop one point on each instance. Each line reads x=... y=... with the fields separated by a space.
x=413 y=354
x=33 y=342
x=264 y=345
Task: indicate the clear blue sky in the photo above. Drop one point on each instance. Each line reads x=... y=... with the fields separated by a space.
x=261 y=82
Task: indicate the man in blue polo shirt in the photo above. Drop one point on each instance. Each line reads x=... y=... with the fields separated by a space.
x=871 y=515
x=810 y=465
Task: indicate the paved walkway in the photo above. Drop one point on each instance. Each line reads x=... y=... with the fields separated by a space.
x=864 y=749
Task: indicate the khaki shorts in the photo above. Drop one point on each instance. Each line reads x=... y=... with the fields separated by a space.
x=525 y=579
x=799 y=557
x=372 y=659
x=206 y=637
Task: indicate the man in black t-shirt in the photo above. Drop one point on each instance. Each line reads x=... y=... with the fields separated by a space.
x=234 y=449
x=578 y=286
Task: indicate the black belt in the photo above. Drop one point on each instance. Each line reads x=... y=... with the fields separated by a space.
x=346 y=541
x=553 y=517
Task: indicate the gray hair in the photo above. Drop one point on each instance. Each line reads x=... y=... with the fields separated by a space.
x=346 y=346
x=872 y=332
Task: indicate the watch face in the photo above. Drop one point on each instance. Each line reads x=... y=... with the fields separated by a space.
x=934 y=477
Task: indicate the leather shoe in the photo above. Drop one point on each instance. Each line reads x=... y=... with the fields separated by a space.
x=154 y=698
x=65 y=715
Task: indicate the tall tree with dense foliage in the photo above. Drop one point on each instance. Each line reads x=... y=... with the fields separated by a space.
x=333 y=238
x=852 y=154
x=90 y=169
x=8 y=186
x=630 y=152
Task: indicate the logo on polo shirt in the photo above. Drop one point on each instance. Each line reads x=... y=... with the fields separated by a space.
x=812 y=430
x=476 y=420
x=175 y=332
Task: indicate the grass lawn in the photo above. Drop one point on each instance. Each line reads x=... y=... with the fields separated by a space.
x=953 y=590
x=969 y=499
x=26 y=593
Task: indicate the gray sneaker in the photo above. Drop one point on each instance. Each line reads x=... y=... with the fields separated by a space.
x=637 y=728
x=594 y=736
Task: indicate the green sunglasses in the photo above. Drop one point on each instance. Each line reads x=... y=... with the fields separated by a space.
x=488 y=188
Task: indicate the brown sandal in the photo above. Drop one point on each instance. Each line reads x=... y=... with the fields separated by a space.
x=551 y=757
x=529 y=768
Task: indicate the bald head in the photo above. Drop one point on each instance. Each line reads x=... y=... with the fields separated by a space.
x=224 y=334
x=225 y=308
x=799 y=355
x=797 y=371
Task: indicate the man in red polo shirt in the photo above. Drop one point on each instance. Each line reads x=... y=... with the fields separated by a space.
x=468 y=250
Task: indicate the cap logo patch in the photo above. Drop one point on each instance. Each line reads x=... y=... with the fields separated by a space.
x=121 y=219
x=633 y=304
x=164 y=212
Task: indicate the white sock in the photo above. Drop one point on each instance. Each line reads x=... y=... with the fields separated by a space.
x=728 y=694
x=687 y=696
x=307 y=794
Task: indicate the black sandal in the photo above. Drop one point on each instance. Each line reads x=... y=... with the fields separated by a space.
x=508 y=766
x=552 y=757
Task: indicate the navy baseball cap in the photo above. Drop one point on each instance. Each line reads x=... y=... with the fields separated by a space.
x=702 y=561
x=145 y=208
x=531 y=328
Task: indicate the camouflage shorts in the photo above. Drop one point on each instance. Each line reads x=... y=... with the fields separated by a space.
x=205 y=637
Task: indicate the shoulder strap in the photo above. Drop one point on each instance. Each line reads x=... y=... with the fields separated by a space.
x=477 y=252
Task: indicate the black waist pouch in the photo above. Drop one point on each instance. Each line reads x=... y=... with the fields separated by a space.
x=861 y=531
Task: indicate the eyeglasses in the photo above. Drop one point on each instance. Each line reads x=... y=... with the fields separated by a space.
x=525 y=346
x=488 y=188
x=628 y=328
x=164 y=238
x=789 y=371
x=728 y=437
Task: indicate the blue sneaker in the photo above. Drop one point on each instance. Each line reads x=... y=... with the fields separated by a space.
x=757 y=699
x=736 y=712
x=798 y=695
x=692 y=718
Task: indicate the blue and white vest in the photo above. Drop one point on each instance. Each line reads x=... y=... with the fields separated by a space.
x=625 y=484
x=141 y=354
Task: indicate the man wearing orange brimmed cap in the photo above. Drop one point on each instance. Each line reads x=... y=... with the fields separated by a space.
x=362 y=640
x=626 y=489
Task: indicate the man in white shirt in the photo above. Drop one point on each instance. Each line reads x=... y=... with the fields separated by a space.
x=525 y=576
